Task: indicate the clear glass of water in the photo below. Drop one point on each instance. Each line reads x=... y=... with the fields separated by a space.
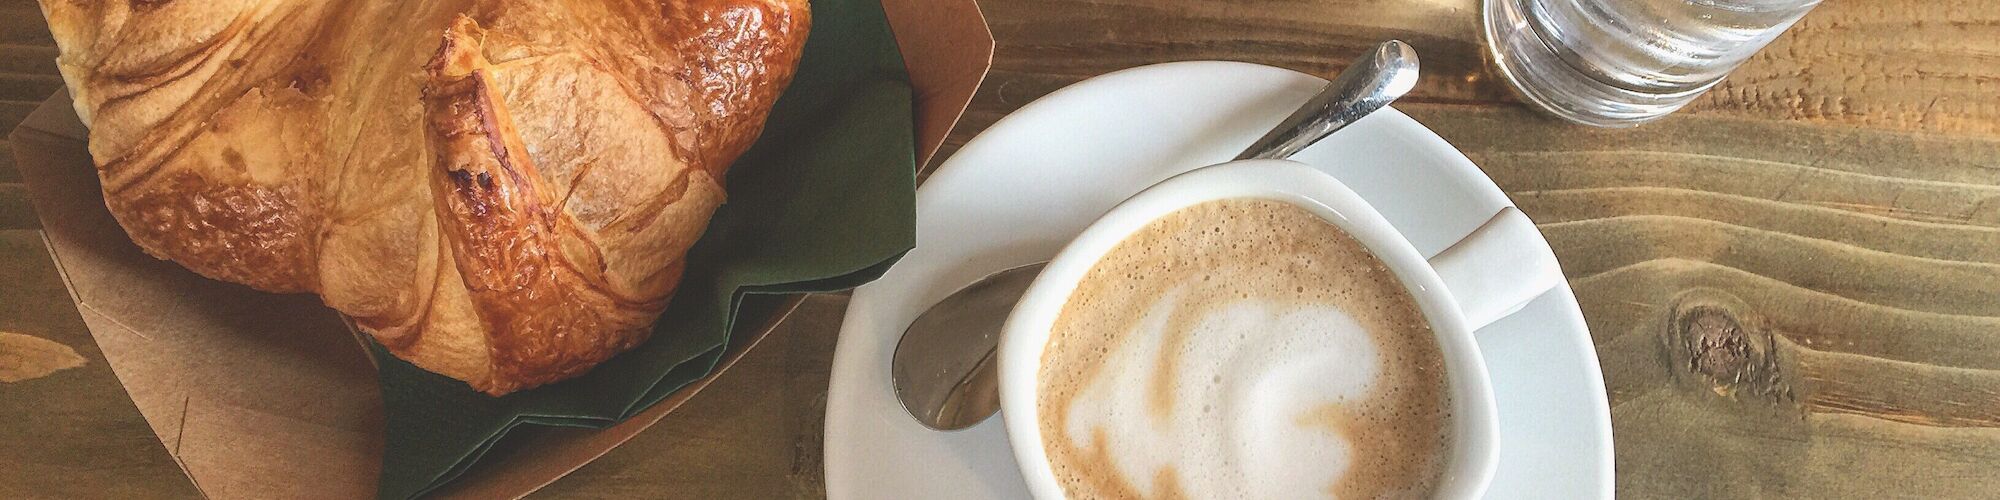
x=1619 y=63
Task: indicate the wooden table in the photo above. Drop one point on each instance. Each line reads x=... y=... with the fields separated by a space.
x=1793 y=285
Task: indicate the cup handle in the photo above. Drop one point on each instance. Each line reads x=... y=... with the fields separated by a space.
x=1492 y=274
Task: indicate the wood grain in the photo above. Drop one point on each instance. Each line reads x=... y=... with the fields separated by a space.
x=1903 y=65
x=1781 y=309
x=25 y=357
x=1899 y=64
x=72 y=433
x=27 y=61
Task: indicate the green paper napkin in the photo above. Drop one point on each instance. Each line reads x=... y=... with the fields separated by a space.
x=824 y=201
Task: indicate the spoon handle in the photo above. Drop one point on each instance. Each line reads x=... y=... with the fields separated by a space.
x=1365 y=86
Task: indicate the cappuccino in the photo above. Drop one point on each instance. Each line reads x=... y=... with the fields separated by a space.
x=1243 y=348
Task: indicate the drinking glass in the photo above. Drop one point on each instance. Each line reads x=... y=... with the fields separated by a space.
x=1619 y=63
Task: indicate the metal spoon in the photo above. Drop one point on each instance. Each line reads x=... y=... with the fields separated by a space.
x=944 y=368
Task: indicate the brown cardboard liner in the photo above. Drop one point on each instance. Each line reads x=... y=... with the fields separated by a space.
x=268 y=396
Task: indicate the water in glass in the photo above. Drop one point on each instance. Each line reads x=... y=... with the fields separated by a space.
x=1624 y=62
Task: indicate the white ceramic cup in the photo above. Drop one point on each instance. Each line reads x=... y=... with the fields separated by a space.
x=1487 y=275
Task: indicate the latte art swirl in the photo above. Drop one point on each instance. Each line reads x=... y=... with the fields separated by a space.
x=1243 y=349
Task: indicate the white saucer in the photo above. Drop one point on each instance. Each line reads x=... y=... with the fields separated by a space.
x=1026 y=186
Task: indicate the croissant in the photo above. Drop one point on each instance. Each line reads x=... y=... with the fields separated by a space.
x=499 y=192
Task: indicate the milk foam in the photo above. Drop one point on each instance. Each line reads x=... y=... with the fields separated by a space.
x=1245 y=377
x=1242 y=349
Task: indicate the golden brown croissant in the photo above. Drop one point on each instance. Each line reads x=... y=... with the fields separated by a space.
x=500 y=192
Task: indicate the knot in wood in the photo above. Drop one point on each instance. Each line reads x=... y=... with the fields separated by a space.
x=1712 y=346
x=1717 y=346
